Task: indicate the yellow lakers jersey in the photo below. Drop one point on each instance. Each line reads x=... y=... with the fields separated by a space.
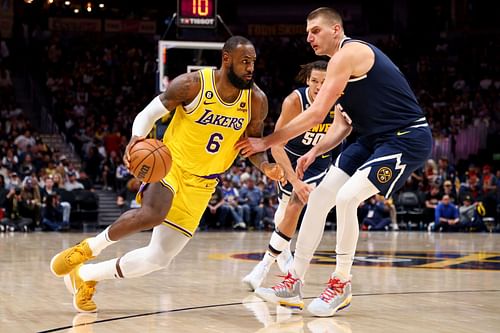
x=202 y=135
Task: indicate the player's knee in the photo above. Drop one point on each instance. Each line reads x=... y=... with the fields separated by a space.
x=346 y=198
x=149 y=217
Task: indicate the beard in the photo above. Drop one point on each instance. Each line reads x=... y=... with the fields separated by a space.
x=237 y=81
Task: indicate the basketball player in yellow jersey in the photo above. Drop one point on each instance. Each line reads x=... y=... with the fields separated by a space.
x=214 y=108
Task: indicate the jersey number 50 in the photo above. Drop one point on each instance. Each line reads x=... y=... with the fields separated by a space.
x=214 y=142
x=311 y=138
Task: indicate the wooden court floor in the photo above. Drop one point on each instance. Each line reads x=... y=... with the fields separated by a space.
x=402 y=282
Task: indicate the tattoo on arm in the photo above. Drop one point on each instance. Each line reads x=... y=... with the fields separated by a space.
x=181 y=91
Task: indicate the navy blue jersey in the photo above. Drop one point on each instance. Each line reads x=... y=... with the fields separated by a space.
x=301 y=144
x=380 y=101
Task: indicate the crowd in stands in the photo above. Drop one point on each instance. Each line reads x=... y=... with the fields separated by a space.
x=98 y=84
x=34 y=179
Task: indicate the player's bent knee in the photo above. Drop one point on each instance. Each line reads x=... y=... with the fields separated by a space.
x=149 y=218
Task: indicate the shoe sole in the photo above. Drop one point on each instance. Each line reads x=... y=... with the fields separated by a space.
x=72 y=291
x=345 y=304
x=295 y=306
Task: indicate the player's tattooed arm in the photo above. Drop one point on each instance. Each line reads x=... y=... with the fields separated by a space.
x=182 y=90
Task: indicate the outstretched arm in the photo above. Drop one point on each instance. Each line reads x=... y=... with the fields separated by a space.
x=340 y=69
x=255 y=129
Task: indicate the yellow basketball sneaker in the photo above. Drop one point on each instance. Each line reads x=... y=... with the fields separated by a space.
x=65 y=261
x=82 y=291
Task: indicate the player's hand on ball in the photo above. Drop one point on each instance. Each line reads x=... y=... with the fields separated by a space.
x=274 y=171
x=133 y=140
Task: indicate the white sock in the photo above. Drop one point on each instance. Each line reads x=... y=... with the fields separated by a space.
x=269 y=258
x=100 y=242
x=277 y=244
x=105 y=270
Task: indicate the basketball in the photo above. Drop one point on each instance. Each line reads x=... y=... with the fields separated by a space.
x=150 y=160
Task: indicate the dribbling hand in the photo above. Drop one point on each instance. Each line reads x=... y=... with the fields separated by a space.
x=133 y=140
x=274 y=171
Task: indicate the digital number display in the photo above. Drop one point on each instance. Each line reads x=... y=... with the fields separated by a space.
x=197 y=13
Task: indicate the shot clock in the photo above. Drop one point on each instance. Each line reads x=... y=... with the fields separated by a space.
x=196 y=13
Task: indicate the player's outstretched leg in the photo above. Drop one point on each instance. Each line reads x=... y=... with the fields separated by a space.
x=336 y=296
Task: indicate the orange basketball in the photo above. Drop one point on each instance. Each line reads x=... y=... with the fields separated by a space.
x=150 y=160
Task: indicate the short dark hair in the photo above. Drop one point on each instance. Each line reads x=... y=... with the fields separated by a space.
x=330 y=14
x=233 y=42
x=306 y=69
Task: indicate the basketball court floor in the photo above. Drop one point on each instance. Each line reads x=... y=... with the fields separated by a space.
x=402 y=282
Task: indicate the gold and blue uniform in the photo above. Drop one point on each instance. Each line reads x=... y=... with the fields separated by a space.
x=201 y=139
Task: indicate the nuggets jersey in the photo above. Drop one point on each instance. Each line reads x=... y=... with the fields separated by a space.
x=301 y=144
x=381 y=100
x=202 y=135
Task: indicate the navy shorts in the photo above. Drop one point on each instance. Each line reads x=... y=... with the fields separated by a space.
x=392 y=157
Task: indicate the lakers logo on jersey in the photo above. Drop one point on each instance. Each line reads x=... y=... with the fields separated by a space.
x=203 y=133
x=220 y=120
x=384 y=174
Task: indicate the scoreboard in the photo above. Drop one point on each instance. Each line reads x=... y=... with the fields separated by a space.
x=196 y=13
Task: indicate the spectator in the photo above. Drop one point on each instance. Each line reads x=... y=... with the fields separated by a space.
x=14 y=220
x=250 y=201
x=469 y=216
x=378 y=214
x=72 y=183
x=52 y=214
x=50 y=190
x=216 y=213
x=230 y=195
x=446 y=217
x=449 y=190
x=431 y=201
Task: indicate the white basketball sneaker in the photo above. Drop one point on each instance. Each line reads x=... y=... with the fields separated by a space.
x=285 y=260
x=287 y=293
x=335 y=297
x=254 y=279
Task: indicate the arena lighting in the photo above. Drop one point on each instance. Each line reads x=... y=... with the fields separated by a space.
x=89 y=7
x=101 y=5
x=28 y=1
x=50 y=2
x=67 y=3
x=76 y=10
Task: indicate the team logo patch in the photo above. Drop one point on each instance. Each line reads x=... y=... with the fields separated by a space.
x=242 y=107
x=384 y=174
x=209 y=94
